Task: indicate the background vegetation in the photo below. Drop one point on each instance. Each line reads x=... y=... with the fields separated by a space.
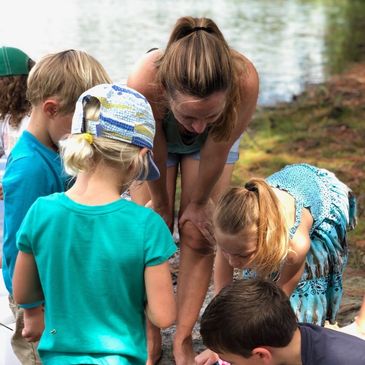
x=324 y=126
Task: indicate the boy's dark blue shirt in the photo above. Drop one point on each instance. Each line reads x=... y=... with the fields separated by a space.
x=323 y=346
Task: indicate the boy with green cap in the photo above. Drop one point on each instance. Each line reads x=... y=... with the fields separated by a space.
x=13 y=62
x=14 y=107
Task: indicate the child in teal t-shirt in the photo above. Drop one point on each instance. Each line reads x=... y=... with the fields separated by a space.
x=98 y=261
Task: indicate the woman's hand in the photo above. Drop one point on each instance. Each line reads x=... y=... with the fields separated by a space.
x=201 y=216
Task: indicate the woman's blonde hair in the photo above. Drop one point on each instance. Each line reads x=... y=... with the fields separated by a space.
x=64 y=75
x=256 y=208
x=198 y=62
x=81 y=152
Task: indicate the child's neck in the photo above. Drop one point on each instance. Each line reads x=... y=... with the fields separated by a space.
x=291 y=354
x=38 y=127
x=100 y=186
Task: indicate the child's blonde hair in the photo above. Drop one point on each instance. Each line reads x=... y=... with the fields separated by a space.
x=64 y=75
x=81 y=152
x=256 y=208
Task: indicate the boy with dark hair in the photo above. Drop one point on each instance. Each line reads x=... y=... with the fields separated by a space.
x=252 y=322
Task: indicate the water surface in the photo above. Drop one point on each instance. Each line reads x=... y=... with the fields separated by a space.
x=291 y=42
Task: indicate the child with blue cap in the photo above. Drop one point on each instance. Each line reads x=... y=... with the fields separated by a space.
x=99 y=262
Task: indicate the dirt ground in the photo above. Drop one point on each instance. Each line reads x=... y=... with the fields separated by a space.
x=349 y=88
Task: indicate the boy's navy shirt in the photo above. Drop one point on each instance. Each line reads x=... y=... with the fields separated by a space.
x=323 y=346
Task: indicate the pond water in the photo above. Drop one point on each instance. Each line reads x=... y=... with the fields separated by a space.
x=291 y=42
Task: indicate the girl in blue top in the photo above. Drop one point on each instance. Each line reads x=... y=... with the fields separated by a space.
x=99 y=262
x=292 y=228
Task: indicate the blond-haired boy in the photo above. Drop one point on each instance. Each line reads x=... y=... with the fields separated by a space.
x=34 y=168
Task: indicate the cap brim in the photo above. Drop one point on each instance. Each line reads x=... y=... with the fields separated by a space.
x=153 y=171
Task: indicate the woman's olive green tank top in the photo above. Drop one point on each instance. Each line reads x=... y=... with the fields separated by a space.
x=181 y=143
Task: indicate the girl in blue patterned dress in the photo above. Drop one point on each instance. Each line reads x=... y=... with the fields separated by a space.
x=292 y=228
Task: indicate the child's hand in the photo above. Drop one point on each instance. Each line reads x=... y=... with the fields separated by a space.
x=31 y=336
x=207 y=357
x=33 y=324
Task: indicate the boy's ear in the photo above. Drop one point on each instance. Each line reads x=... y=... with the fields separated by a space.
x=264 y=355
x=50 y=107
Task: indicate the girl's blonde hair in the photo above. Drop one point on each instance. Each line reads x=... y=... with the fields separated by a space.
x=198 y=62
x=256 y=208
x=64 y=75
x=81 y=152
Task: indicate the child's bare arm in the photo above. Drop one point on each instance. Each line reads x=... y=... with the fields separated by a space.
x=223 y=272
x=294 y=266
x=161 y=305
x=26 y=284
x=33 y=323
x=27 y=290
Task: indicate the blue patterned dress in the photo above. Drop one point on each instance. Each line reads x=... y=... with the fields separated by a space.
x=333 y=207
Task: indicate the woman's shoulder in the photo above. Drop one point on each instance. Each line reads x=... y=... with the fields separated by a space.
x=143 y=76
x=246 y=70
x=144 y=79
x=248 y=86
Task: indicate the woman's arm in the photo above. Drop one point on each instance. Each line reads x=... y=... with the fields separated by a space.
x=161 y=305
x=213 y=155
x=143 y=79
x=26 y=284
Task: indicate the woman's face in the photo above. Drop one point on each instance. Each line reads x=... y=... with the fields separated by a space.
x=238 y=249
x=196 y=114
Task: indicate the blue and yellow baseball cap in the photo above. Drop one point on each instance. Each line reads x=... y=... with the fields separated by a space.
x=13 y=62
x=125 y=115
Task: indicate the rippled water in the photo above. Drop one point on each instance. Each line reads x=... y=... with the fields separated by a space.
x=291 y=42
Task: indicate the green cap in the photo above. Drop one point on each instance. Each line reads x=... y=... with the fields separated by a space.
x=13 y=62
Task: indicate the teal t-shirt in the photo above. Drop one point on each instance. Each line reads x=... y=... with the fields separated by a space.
x=32 y=170
x=91 y=262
